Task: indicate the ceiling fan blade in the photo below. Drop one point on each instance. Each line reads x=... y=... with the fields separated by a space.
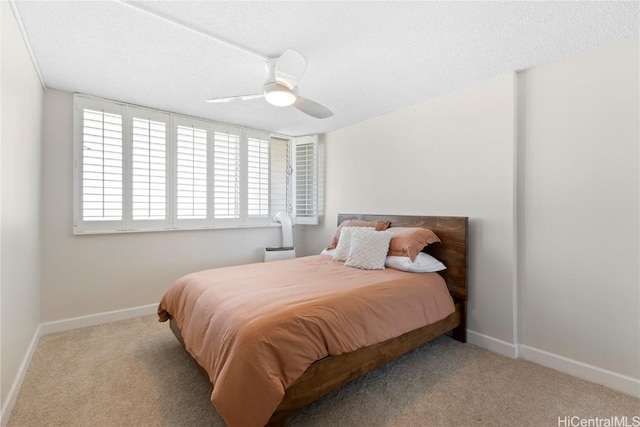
x=234 y=98
x=290 y=68
x=312 y=108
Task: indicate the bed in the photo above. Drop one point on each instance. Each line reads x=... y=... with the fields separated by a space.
x=262 y=391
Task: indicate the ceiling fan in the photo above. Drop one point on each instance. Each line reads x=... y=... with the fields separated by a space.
x=281 y=87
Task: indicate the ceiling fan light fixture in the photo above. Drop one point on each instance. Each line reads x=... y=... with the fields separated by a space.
x=281 y=87
x=279 y=95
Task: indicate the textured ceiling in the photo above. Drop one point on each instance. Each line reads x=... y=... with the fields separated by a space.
x=364 y=58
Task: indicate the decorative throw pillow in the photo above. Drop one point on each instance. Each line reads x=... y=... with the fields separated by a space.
x=368 y=249
x=378 y=225
x=329 y=252
x=409 y=241
x=344 y=244
x=424 y=263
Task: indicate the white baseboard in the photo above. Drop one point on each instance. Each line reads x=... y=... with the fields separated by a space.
x=61 y=326
x=613 y=380
x=97 y=319
x=492 y=344
x=17 y=383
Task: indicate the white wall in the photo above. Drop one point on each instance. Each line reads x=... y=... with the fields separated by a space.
x=579 y=246
x=453 y=155
x=570 y=297
x=83 y=275
x=21 y=107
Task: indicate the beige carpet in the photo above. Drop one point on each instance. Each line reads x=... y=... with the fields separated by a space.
x=134 y=373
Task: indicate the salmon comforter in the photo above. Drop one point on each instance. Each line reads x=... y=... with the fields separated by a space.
x=256 y=328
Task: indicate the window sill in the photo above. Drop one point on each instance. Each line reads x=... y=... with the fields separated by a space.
x=162 y=230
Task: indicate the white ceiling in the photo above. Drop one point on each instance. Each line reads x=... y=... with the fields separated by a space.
x=364 y=58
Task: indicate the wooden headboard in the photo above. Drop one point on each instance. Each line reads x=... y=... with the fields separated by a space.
x=452 y=251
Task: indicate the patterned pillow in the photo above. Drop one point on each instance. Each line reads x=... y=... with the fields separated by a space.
x=368 y=249
x=344 y=244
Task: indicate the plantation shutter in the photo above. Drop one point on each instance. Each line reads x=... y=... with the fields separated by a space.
x=257 y=175
x=191 y=174
x=226 y=175
x=305 y=180
x=99 y=167
x=278 y=149
x=149 y=170
x=140 y=169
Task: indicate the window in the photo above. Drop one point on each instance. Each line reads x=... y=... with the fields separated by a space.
x=101 y=166
x=226 y=174
x=99 y=173
x=257 y=175
x=149 y=170
x=191 y=172
x=139 y=169
x=306 y=180
x=279 y=175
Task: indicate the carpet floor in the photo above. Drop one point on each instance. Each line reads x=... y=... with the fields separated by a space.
x=134 y=373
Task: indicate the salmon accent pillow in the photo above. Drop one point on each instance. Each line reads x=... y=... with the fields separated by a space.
x=377 y=225
x=409 y=241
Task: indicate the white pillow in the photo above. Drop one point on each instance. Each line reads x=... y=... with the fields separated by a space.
x=368 y=249
x=424 y=263
x=344 y=243
x=329 y=252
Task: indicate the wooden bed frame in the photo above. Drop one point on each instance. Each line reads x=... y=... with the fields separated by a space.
x=332 y=372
